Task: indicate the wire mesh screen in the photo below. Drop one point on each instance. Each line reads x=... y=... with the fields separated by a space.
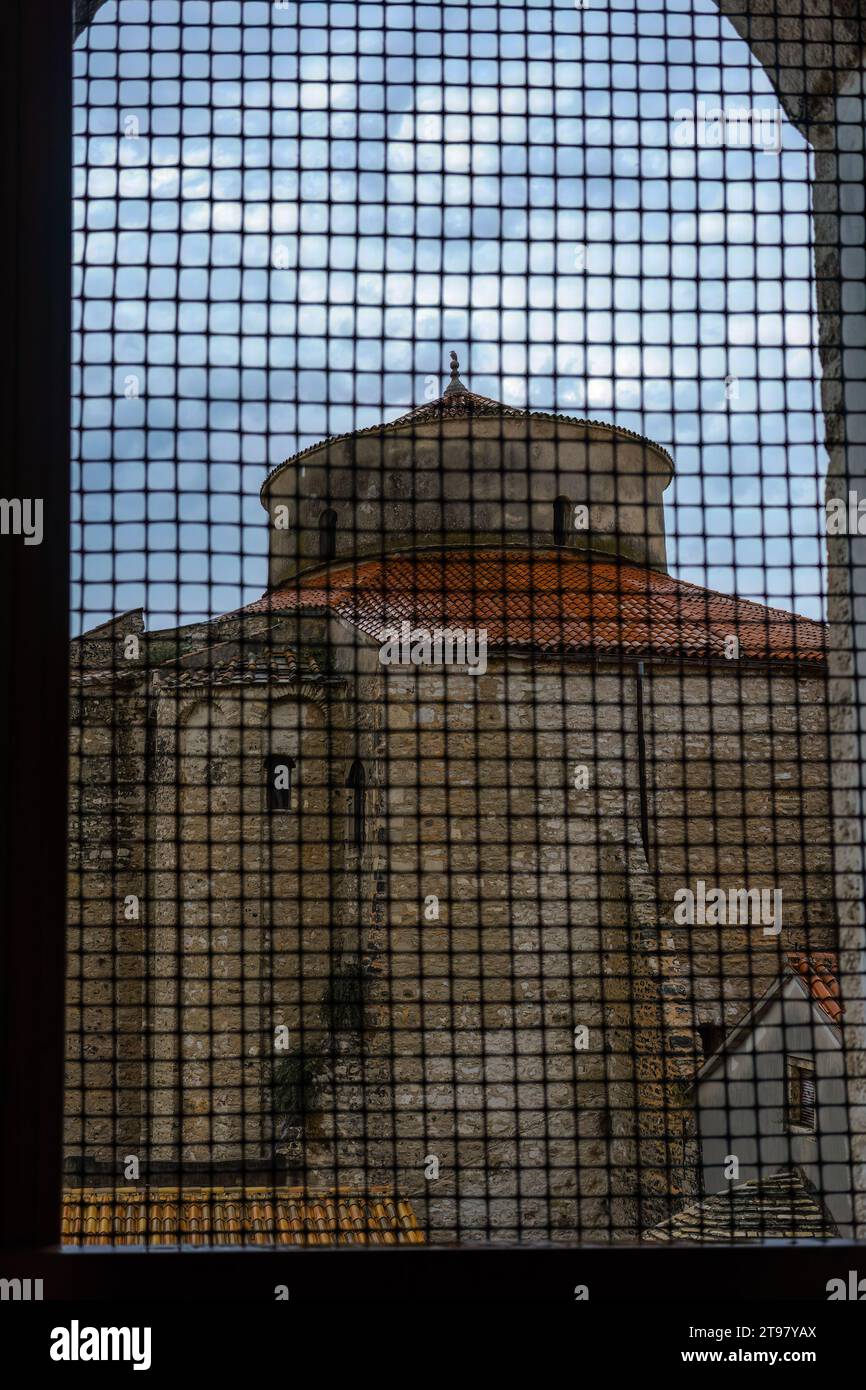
x=451 y=855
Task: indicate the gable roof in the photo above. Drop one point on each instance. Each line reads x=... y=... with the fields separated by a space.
x=236 y=1216
x=816 y=973
x=552 y=601
x=780 y=1207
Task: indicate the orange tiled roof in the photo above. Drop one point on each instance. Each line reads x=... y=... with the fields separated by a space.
x=820 y=970
x=236 y=1216
x=553 y=601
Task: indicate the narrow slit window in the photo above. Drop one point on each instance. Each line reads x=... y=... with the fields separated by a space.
x=712 y=1035
x=561 y=518
x=328 y=534
x=357 y=784
x=280 y=775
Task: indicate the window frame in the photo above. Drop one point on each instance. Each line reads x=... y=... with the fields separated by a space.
x=328 y=521
x=272 y=793
x=36 y=229
x=356 y=781
x=563 y=530
x=797 y=1069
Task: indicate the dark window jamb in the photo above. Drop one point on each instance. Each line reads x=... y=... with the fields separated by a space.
x=280 y=781
x=35 y=238
x=328 y=534
x=561 y=514
x=357 y=781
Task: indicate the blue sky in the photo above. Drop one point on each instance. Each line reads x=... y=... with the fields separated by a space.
x=287 y=216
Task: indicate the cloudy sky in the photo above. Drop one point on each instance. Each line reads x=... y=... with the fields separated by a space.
x=288 y=215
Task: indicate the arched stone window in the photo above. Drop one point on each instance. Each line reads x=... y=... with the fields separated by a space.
x=561 y=521
x=327 y=534
x=357 y=783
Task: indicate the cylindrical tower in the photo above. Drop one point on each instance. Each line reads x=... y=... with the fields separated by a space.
x=467 y=470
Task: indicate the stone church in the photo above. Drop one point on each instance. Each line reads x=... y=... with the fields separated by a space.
x=407 y=923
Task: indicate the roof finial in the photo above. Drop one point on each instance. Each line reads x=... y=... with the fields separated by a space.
x=455 y=384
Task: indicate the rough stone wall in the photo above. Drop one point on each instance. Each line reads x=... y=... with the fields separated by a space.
x=509 y=922
x=806 y=49
x=240 y=906
x=548 y=918
x=739 y=772
x=514 y=798
x=258 y=913
x=105 y=938
x=108 y=937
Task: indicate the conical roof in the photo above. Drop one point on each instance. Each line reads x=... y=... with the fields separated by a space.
x=457 y=402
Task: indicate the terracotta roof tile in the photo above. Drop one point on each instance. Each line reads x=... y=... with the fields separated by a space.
x=820 y=970
x=103 y=675
x=554 y=602
x=236 y=1216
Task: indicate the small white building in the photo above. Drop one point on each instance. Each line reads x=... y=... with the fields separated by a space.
x=772 y=1096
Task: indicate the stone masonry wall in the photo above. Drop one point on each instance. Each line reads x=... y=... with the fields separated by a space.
x=739 y=771
x=512 y=798
x=537 y=930
x=105 y=941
